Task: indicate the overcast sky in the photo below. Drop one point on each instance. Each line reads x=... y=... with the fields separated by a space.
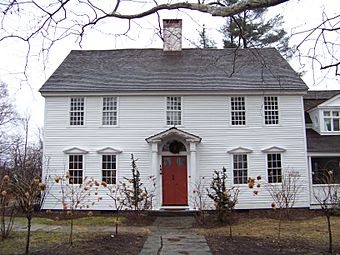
x=298 y=16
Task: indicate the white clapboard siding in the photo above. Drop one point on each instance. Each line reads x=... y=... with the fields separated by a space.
x=140 y=117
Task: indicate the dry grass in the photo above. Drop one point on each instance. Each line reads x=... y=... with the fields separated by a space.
x=309 y=230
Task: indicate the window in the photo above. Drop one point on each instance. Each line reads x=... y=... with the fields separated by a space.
x=322 y=167
x=238 y=111
x=173 y=111
x=331 y=120
x=75 y=169
x=274 y=168
x=77 y=111
x=109 y=169
x=109 y=111
x=240 y=169
x=271 y=111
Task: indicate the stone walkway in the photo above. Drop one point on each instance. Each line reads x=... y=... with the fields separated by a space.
x=174 y=235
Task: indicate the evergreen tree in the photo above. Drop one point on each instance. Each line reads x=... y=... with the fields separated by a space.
x=250 y=29
x=204 y=40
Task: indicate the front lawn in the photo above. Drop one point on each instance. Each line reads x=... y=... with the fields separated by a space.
x=259 y=235
x=92 y=235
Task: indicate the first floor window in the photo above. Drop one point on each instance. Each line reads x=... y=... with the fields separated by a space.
x=274 y=168
x=331 y=120
x=109 y=169
x=240 y=168
x=325 y=170
x=271 y=110
x=238 y=111
x=174 y=111
x=77 y=111
x=75 y=169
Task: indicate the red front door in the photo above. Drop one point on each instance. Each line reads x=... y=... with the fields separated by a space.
x=174 y=180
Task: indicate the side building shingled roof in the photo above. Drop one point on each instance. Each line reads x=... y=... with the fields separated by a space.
x=132 y=70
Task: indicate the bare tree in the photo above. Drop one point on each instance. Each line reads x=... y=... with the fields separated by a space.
x=8 y=116
x=76 y=197
x=28 y=193
x=284 y=194
x=47 y=22
x=328 y=197
x=323 y=44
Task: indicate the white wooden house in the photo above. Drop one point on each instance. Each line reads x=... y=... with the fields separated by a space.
x=182 y=112
x=323 y=138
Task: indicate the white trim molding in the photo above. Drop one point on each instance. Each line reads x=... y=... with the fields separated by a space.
x=75 y=150
x=273 y=149
x=109 y=150
x=240 y=150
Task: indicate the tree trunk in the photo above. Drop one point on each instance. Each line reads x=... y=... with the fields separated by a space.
x=71 y=233
x=28 y=237
x=330 y=248
x=280 y=221
x=117 y=225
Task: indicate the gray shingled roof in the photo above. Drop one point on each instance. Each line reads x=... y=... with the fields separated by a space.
x=322 y=143
x=315 y=97
x=132 y=70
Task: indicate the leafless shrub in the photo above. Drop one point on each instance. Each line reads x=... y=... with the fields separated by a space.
x=328 y=197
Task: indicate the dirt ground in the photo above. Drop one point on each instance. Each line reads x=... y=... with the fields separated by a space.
x=100 y=244
x=240 y=245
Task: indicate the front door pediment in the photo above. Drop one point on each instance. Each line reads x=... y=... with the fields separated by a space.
x=171 y=132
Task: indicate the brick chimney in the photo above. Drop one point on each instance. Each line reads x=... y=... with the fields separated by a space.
x=172 y=33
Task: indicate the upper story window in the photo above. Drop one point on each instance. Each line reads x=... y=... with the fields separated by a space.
x=77 y=111
x=109 y=117
x=76 y=167
x=173 y=110
x=238 y=111
x=331 y=120
x=271 y=110
x=109 y=168
x=274 y=167
x=240 y=168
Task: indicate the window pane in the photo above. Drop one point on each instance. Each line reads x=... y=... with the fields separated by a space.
x=109 y=169
x=274 y=168
x=321 y=167
x=240 y=170
x=328 y=124
x=336 y=124
x=75 y=169
x=77 y=111
x=109 y=114
x=173 y=111
x=271 y=110
x=238 y=111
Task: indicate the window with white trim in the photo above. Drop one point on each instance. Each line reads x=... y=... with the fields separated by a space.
x=77 y=111
x=109 y=169
x=109 y=116
x=173 y=110
x=271 y=110
x=274 y=167
x=331 y=120
x=75 y=168
x=238 y=111
x=240 y=168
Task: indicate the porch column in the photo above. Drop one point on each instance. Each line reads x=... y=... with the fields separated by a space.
x=193 y=162
x=155 y=172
